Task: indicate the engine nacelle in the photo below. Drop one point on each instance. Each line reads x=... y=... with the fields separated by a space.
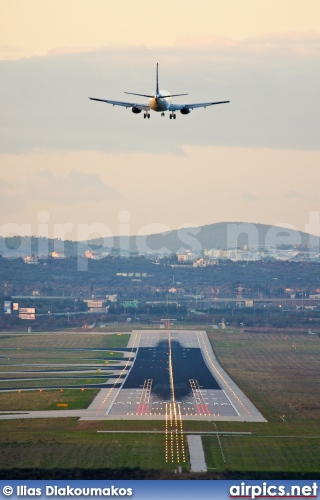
x=185 y=111
x=136 y=110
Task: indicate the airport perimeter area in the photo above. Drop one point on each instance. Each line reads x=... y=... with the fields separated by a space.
x=160 y=375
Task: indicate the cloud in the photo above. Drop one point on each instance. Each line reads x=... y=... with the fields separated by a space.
x=45 y=186
x=291 y=195
x=73 y=187
x=9 y=52
x=249 y=197
x=11 y=200
x=276 y=45
x=70 y=50
x=272 y=85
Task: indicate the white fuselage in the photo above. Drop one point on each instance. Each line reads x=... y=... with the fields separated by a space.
x=161 y=103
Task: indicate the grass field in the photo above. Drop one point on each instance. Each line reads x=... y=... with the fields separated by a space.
x=10 y=371
x=279 y=372
x=25 y=356
x=45 y=400
x=43 y=383
x=61 y=361
x=266 y=454
x=64 y=340
x=11 y=354
x=40 y=376
x=62 y=443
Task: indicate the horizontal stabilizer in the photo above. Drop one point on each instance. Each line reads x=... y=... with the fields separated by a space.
x=159 y=97
x=173 y=95
x=141 y=95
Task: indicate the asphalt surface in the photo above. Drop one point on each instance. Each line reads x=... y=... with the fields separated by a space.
x=186 y=364
x=169 y=375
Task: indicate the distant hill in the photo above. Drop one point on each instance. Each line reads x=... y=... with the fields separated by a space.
x=17 y=246
x=222 y=235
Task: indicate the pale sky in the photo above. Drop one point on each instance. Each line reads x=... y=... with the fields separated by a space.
x=256 y=159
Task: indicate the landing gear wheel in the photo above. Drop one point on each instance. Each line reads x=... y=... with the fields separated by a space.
x=174 y=116
x=170 y=116
x=148 y=115
x=144 y=116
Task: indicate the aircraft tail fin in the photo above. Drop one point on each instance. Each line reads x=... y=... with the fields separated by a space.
x=157 y=81
x=157 y=89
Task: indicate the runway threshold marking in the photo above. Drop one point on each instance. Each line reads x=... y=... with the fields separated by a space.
x=174 y=437
x=143 y=405
x=201 y=405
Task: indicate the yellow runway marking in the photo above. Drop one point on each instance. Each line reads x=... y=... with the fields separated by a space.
x=174 y=440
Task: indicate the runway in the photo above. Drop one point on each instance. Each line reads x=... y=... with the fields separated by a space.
x=169 y=369
x=175 y=375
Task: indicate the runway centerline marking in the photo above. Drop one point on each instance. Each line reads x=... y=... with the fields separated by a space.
x=174 y=439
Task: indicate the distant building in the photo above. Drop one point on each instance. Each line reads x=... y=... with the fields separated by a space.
x=31 y=259
x=112 y=298
x=58 y=255
x=203 y=262
x=90 y=254
x=182 y=257
x=186 y=256
x=94 y=305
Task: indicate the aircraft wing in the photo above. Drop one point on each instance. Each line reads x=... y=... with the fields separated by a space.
x=178 y=107
x=143 y=107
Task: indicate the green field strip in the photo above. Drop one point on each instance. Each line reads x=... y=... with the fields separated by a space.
x=22 y=384
x=263 y=454
x=11 y=353
x=65 y=340
x=88 y=451
x=45 y=400
x=56 y=375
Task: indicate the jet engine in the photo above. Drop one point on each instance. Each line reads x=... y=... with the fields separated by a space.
x=136 y=110
x=185 y=111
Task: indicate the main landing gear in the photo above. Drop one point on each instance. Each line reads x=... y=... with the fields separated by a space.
x=172 y=115
x=146 y=115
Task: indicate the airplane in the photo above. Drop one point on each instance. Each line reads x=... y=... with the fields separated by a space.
x=160 y=102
